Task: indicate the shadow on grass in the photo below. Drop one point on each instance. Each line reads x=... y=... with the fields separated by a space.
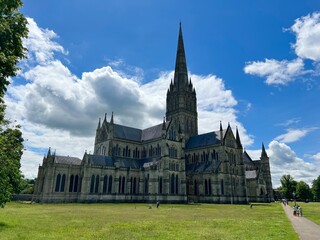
x=3 y=226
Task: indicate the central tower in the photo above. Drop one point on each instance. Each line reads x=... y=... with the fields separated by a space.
x=181 y=97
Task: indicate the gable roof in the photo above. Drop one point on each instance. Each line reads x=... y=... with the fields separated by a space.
x=67 y=160
x=128 y=133
x=138 y=135
x=246 y=157
x=100 y=160
x=204 y=140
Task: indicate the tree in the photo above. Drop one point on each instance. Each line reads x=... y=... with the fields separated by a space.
x=316 y=188
x=10 y=154
x=288 y=186
x=13 y=28
x=303 y=191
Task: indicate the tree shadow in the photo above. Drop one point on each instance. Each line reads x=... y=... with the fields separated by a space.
x=3 y=226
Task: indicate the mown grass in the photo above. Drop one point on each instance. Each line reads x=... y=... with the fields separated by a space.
x=136 y=221
x=310 y=210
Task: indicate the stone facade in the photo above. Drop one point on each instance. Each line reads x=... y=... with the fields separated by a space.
x=169 y=162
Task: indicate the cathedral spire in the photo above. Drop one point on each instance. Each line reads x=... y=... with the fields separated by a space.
x=164 y=124
x=263 y=152
x=49 y=152
x=99 y=123
x=238 y=138
x=111 y=120
x=181 y=72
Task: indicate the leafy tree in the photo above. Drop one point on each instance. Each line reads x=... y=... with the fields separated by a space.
x=13 y=28
x=288 y=186
x=316 y=188
x=27 y=186
x=10 y=154
x=303 y=191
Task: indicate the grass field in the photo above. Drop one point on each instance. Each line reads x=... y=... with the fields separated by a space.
x=136 y=221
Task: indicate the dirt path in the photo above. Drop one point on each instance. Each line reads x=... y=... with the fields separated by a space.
x=306 y=229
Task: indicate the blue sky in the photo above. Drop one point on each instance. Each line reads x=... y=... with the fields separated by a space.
x=255 y=64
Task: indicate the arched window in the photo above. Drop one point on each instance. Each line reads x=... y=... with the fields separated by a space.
x=123 y=185
x=63 y=183
x=76 y=182
x=172 y=184
x=119 y=187
x=134 y=186
x=210 y=188
x=146 y=185
x=105 y=184
x=160 y=185
x=96 y=190
x=110 y=184
x=206 y=187
x=92 y=184
x=58 y=179
x=177 y=184
x=71 y=183
x=195 y=187
x=222 y=187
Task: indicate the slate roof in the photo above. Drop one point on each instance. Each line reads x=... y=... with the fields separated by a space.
x=203 y=140
x=246 y=157
x=199 y=167
x=138 y=135
x=124 y=132
x=100 y=160
x=67 y=160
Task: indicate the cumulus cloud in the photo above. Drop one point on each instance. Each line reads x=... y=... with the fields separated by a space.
x=307 y=30
x=293 y=135
x=40 y=43
x=316 y=157
x=307 y=46
x=60 y=110
x=283 y=160
x=276 y=72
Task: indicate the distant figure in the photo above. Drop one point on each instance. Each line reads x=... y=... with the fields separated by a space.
x=251 y=205
x=150 y=206
x=300 y=211
x=295 y=210
x=158 y=204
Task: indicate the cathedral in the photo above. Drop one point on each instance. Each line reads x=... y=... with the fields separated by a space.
x=168 y=163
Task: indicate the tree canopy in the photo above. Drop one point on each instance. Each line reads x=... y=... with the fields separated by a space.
x=13 y=28
x=303 y=191
x=316 y=188
x=288 y=186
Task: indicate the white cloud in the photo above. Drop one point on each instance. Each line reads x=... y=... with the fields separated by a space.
x=40 y=43
x=307 y=46
x=60 y=110
x=316 y=157
x=307 y=30
x=276 y=72
x=283 y=160
x=294 y=135
x=289 y=122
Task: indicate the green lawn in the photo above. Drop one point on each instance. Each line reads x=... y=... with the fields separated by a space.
x=311 y=211
x=136 y=221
